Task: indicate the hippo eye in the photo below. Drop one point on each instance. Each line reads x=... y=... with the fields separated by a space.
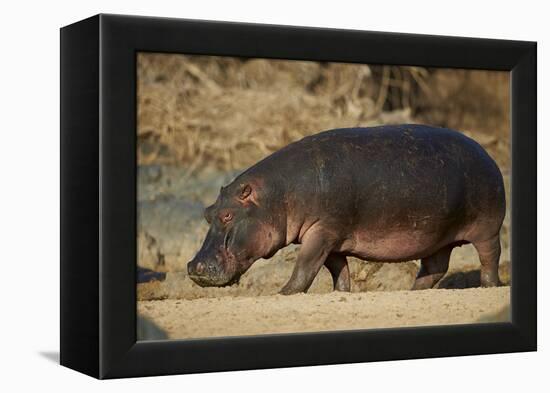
x=226 y=217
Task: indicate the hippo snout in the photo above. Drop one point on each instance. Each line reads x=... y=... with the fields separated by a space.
x=202 y=269
x=206 y=273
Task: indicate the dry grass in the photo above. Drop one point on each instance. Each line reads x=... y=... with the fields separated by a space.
x=227 y=113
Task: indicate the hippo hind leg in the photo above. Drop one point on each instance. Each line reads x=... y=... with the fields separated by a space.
x=337 y=265
x=433 y=268
x=489 y=255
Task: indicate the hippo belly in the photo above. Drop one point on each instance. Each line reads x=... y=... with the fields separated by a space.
x=396 y=246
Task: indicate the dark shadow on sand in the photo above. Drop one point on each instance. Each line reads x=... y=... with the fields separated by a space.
x=461 y=280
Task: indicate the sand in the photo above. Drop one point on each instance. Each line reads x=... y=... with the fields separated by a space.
x=241 y=316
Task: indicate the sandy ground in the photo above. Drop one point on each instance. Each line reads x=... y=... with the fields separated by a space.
x=322 y=312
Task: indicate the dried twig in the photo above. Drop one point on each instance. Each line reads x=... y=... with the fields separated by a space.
x=383 y=92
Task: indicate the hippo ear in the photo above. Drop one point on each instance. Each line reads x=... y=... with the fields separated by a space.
x=208 y=214
x=245 y=192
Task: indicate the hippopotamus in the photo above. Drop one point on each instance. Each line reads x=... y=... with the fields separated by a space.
x=382 y=194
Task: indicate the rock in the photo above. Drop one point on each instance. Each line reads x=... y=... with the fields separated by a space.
x=170 y=229
x=369 y=276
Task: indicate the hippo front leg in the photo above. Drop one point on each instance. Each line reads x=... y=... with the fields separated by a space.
x=311 y=257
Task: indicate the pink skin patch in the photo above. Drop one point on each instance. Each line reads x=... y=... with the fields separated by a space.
x=249 y=192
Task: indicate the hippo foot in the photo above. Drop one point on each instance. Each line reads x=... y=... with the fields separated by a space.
x=342 y=287
x=287 y=290
x=489 y=255
x=490 y=282
x=426 y=282
x=433 y=268
x=339 y=270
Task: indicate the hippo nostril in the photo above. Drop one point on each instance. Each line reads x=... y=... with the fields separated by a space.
x=199 y=268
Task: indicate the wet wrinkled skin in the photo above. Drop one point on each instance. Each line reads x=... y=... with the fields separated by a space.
x=382 y=194
x=240 y=233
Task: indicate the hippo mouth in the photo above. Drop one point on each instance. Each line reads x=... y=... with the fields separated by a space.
x=212 y=274
x=221 y=278
x=206 y=281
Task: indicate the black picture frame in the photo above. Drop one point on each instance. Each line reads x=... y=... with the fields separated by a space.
x=98 y=196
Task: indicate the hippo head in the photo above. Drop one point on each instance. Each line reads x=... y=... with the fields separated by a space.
x=241 y=231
